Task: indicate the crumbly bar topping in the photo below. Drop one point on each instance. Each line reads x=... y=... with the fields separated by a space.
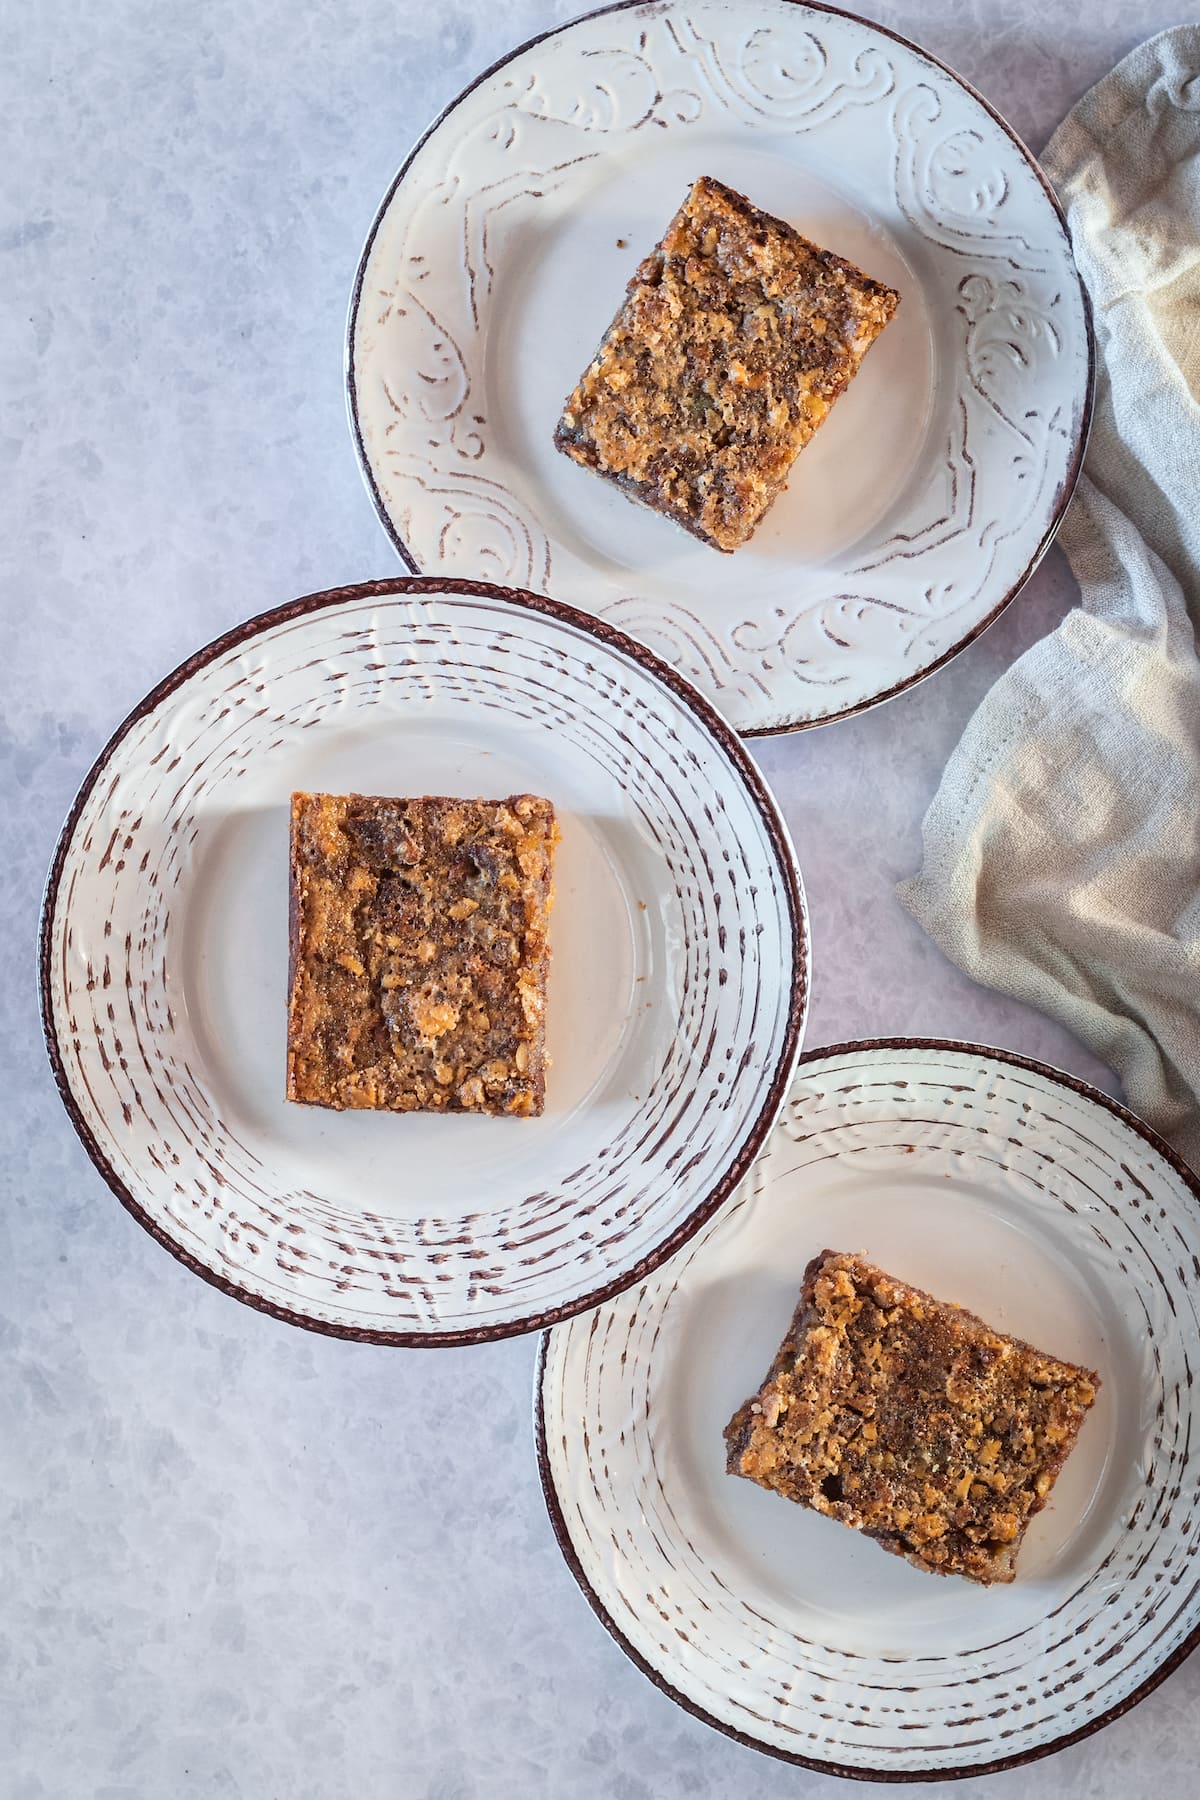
x=910 y=1420
x=420 y=952
x=736 y=337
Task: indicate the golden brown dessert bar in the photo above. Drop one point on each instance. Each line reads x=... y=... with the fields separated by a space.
x=736 y=337
x=419 y=953
x=910 y=1420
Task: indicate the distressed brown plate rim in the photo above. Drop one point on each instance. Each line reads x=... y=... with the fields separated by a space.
x=758 y=791
x=1019 y=1758
x=1066 y=489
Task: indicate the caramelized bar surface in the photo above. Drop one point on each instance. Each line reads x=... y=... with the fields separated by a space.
x=910 y=1420
x=736 y=337
x=419 y=952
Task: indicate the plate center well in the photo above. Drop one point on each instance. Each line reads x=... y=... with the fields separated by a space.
x=963 y=1236
x=608 y=949
x=561 y=268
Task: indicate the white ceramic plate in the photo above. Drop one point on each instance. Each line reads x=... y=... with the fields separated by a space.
x=677 y=987
x=982 y=1178
x=502 y=251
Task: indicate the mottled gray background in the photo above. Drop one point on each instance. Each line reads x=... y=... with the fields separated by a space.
x=238 y=1559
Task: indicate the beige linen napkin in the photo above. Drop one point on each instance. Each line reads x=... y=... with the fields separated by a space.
x=1062 y=850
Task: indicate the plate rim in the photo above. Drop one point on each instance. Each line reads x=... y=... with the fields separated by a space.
x=759 y=793
x=1018 y=1758
x=1066 y=488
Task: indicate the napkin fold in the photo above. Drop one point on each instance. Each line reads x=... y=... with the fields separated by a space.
x=1062 y=850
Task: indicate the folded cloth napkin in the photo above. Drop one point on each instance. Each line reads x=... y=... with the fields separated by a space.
x=1062 y=851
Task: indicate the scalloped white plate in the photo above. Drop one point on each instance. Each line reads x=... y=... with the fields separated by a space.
x=677 y=986
x=502 y=251
x=982 y=1178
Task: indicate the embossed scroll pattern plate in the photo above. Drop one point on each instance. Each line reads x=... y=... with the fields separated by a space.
x=985 y=1179
x=502 y=251
x=677 y=987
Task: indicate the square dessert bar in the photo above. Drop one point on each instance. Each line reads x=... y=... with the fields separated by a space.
x=736 y=337
x=419 y=953
x=910 y=1420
